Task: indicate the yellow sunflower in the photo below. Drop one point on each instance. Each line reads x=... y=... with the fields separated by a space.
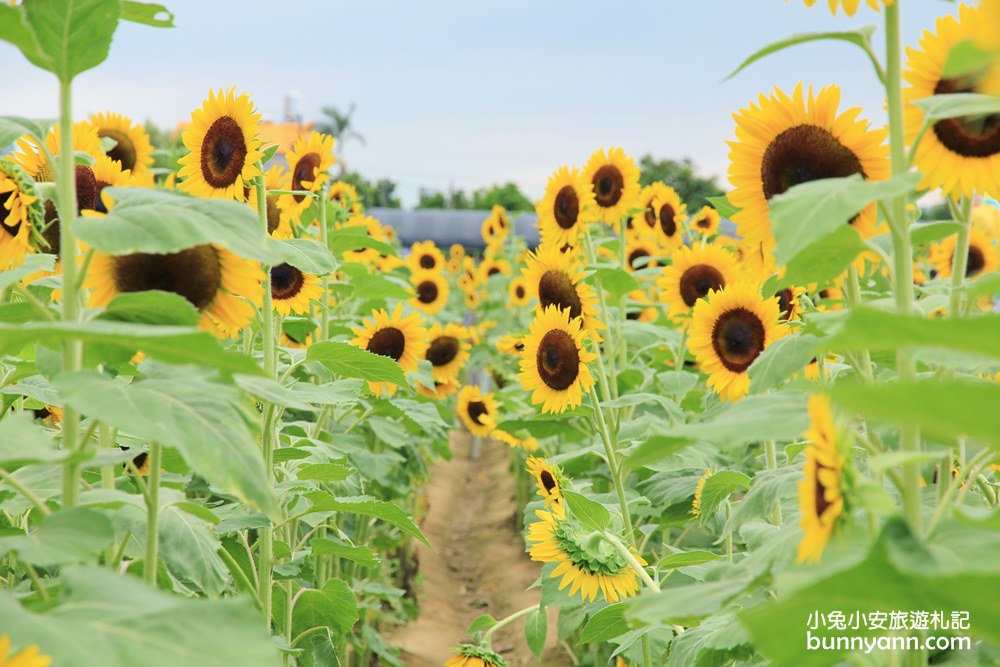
x=706 y=221
x=548 y=478
x=223 y=286
x=959 y=155
x=308 y=162
x=663 y=213
x=431 y=291
x=21 y=212
x=344 y=194
x=222 y=138
x=850 y=6
x=528 y=444
x=440 y=390
x=986 y=31
x=518 y=292
x=28 y=657
x=729 y=330
x=492 y=266
x=986 y=217
x=507 y=344
x=556 y=279
x=402 y=339
x=821 y=499
x=374 y=230
x=554 y=361
x=789 y=306
x=108 y=173
x=477 y=410
x=586 y=563
x=982 y=255
x=829 y=298
x=693 y=274
x=132 y=150
x=292 y=291
x=699 y=487
x=473 y=298
x=563 y=210
x=447 y=350
x=614 y=181
x=468 y=655
x=641 y=249
x=456 y=251
x=31 y=158
x=279 y=219
x=425 y=256
x=786 y=141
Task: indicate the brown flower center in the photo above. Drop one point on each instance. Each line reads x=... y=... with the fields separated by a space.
x=697 y=281
x=968 y=136
x=738 y=339
x=427 y=292
x=558 y=360
x=822 y=504
x=976 y=261
x=608 y=185
x=667 y=224
x=636 y=255
x=427 y=261
x=124 y=150
x=786 y=301
x=476 y=410
x=805 y=153
x=223 y=153
x=567 y=207
x=442 y=350
x=519 y=292
x=548 y=481
x=286 y=282
x=86 y=189
x=556 y=288
x=305 y=171
x=273 y=213
x=194 y=273
x=388 y=342
x=5 y=215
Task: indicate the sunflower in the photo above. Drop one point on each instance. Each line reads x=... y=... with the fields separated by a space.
x=425 y=256
x=663 y=214
x=308 y=161
x=492 y=266
x=468 y=655
x=850 y=6
x=614 y=181
x=440 y=390
x=279 y=219
x=959 y=155
x=698 y=489
x=706 y=221
x=982 y=255
x=456 y=251
x=548 y=478
x=507 y=344
x=132 y=150
x=820 y=494
x=28 y=657
x=693 y=274
x=21 y=212
x=477 y=410
x=986 y=31
x=829 y=298
x=108 y=173
x=640 y=250
x=586 y=563
x=786 y=141
x=986 y=217
x=473 y=298
x=563 y=210
x=447 y=350
x=32 y=159
x=554 y=361
x=223 y=286
x=292 y=290
x=556 y=279
x=431 y=291
x=291 y=340
x=402 y=339
x=222 y=138
x=528 y=444
x=789 y=306
x=729 y=329
x=518 y=291
x=344 y=194
x=374 y=230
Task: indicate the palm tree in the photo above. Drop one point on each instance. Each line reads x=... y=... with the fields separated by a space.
x=339 y=125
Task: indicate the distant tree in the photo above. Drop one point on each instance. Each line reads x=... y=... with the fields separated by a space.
x=693 y=189
x=457 y=199
x=340 y=126
x=432 y=200
x=380 y=193
x=509 y=196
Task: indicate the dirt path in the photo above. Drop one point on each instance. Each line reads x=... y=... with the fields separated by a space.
x=480 y=566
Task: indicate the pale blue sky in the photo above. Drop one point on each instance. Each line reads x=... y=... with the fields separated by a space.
x=471 y=93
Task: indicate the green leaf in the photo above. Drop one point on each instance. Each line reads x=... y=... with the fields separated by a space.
x=73 y=35
x=325 y=472
x=929 y=232
x=147 y=13
x=536 y=629
x=809 y=212
x=118 y=621
x=332 y=606
x=68 y=536
x=687 y=558
x=616 y=282
x=13 y=128
x=374 y=286
x=352 y=361
x=724 y=207
x=366 y=506
x=825 y=259
x=966 y=58
x=204 y=421
x=860 y=37
x=153 y=307
x=939 y=107
x=605 y=625
x=272 y=392
x=482 y=622
x=21 y=442
x=684 y=605
x=176 y=345
x=942 y=409
x=654 y=450
x=774 y=416
x=338 y=392
x=782 y=359
x=347 y=239
x=718 y=487
x=308 y=256
x=364 y=556
x=590 y=513
x=882 y=462
x=14 y=30
x=877 y=330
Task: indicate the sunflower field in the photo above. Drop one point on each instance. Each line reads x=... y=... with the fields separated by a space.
x=243 y=424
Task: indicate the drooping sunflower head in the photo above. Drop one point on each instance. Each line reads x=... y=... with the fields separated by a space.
x=447 y=350
x=693 y=274
x=222 y=138
x=223 y=286
x=706 y=221
x=850 y=6
x=983 y=255
x=469 y=655
x=308 y=162
x=614 y=181
x=729 y=330
x=430 y=291
x=959 y=155
x=132 y=149
x=292 y=290
x=425 y=256
x=21 y=212
x=784 y=141
x=477 y=410
x=821 y=499
x=554 y=361
x=556 y=279
x=402 y=339
x=517 y=289
x=548 y=478
x=563 y=210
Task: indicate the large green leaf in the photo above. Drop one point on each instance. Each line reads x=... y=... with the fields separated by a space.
x=14 y=30
x=782 y=359
x=826 y=258
x=14 y=127
x=22 y=442
x=943 y=409
x=152 y=307
x=684 y=605
x=809 y=212
x=364 y=556
x=204 y=421
x=588 y=512
x=332 y=606
x=606 y=624
x=347 y=239
x=922 y=233
x=724 y=207
x=352 y=361
x=308 y=256
x=775 y=416
x=117 y=621
x=860 y=37
x=366 y=506
x=147 y=13
x=68 y=536
x=718 y=488
x=536 y=629
x=72 y=35
x=939 y=107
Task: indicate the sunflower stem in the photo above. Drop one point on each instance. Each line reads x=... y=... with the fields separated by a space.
x=862 y=367
x=508 y=620
x=771 y=456
x=28 y=494
x=324 y=308
x=960 y=258
x=612 y=455
x=607 y=391
x=153 y=514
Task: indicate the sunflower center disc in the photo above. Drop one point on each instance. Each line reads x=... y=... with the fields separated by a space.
x=389 y=342
x=976 y=262
x=608 y=184
x=785 y=298
x=635 y=256
x=305 y=171
x=548 y=481
x=442 y=350
x=476 y=410
x=519 y=292
x=821 y=502
x=558 y=360
x=667 y=224
x=124 y=150
x=223 y=153
x=968 y=136
x=698 y=281
x=86 y=188
x=273 y=213
x=194 y=274
x=556 y=289
x=738 y=338
x=427 y=262
x=567 y=207
x=427 y=292
x=805 y=153
x=4 y=215
x=286 y=281
x=493 y=270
